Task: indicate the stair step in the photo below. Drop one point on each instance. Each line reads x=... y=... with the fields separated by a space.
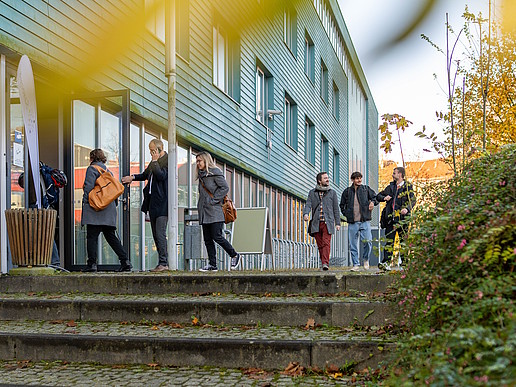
x=268 y=347
x=218 y=309
x=306 y=282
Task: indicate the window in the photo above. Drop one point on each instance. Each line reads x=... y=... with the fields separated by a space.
x=264 y=94
x=324 y=82
x=309 y=141
x=290 y=29
x=183 y=28
x=290 y=122
x=226 y=61
x=155 y=16
x=324 y=154
x=309 y=57
x=335 y=106
x=336 y=167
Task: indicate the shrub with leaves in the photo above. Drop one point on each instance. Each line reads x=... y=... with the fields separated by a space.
x=458 y=291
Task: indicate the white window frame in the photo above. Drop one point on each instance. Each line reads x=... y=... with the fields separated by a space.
x=220 y=58
x=261 y=96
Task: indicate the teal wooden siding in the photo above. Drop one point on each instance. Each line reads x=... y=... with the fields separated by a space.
x=58 y=35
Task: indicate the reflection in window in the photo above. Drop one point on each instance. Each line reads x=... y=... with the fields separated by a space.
x=182 y=176
x=17 y=134
x=246 y=191
x=238 y=189
x=135 y=213
x=324 y=82
x=229 y=179
x=254 y=197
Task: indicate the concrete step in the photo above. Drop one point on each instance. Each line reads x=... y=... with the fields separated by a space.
x=237 y=282
x=213 y=308
x=233 y=346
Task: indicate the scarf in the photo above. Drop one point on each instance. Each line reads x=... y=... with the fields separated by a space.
x=322 y=188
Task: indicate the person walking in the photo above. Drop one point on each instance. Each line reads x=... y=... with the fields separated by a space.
x=356 y=204
x=212 y=189
x=155 y=198
x=103 y=221
x=400 y=198
x=323 y=203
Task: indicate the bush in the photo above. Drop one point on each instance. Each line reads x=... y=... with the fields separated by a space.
x=458 y=291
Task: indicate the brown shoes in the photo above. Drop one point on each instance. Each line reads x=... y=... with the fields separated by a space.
x=159 y=268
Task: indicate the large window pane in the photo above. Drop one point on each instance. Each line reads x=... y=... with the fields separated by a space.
x=84 y=132
x=17 y=134
x=135 y=214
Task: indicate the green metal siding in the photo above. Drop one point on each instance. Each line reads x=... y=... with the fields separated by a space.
x=58 y=35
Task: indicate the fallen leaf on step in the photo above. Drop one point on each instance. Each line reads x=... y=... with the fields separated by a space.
x=294 y=369
x=154 y=328
x=71 y=324
x=310 y=324
x=335 y=375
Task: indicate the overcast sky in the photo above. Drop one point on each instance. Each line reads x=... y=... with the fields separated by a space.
x=401 y=78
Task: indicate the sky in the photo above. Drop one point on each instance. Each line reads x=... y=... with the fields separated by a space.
x=401 y=78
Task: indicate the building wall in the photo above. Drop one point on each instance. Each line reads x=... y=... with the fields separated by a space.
x=59 y=37
x=93 y=45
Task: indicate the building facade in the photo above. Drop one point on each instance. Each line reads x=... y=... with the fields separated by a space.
x=273 y=89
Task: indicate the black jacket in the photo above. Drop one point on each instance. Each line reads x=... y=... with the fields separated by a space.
x=155 y=202
x=402 y=198
x=364 y=196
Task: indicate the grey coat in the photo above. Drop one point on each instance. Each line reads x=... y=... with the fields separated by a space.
x=210 y=209
x=106 y=217
x=331 y=209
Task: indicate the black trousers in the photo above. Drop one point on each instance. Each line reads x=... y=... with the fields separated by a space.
x=92 y=242
x=159 y=233
x=390 y=235
x=212 y=232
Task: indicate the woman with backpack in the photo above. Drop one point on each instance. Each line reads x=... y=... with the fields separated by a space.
x=103 y=221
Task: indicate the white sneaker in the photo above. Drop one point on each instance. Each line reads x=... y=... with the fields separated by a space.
x=355 y=268
x=384 y=266
x=366 y=265
x=235 y=261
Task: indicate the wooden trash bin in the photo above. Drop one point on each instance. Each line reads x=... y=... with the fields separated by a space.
x=31 y=235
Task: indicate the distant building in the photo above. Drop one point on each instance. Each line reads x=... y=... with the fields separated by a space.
x=273 y=89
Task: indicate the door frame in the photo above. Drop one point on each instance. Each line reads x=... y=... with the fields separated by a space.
x=69 y=229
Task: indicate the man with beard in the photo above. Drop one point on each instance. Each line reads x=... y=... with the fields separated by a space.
x=323 y=203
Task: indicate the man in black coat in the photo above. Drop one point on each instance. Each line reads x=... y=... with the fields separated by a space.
x=155 y=198
x=400 y=198
x=356 y=204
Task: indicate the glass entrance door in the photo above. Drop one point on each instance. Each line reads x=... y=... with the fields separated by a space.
x=99 y=120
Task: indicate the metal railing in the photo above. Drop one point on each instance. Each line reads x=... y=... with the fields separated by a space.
x=287 y=254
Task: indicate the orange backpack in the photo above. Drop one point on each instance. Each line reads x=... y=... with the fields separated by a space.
x=107 y=189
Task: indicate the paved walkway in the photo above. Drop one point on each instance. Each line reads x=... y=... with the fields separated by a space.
x=72 y=374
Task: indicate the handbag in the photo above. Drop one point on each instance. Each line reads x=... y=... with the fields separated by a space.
x=228 y=207
x=107 y=189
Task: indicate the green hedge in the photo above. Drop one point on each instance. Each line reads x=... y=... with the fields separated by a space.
x=459 y=287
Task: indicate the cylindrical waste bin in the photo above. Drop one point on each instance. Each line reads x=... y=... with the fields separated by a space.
x=31 y=235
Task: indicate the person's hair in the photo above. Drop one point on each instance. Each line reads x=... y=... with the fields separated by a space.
x=21 y=181
x=355 y=175
x=158 y=143
x=208 y=161
x=320 y=175
x=97 y=155
x=401 y=170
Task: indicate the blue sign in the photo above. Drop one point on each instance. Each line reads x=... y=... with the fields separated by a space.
x=17 y=137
